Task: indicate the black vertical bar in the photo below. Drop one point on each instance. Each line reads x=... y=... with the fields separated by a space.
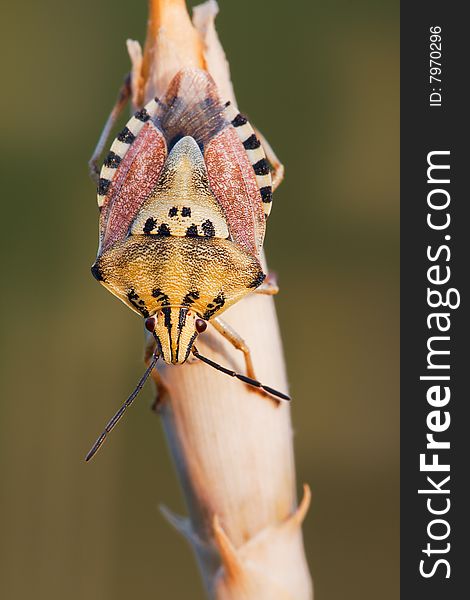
x=426 y=128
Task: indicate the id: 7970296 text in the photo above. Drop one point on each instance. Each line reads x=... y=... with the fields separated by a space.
x=435 y=65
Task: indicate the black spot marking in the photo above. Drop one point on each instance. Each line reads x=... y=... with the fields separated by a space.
x=96 y=272
x=191 y=297
x=173 y=211
x=103 y=186
x=161 y=296
x=190 y=345
x=185 y=211
x=150 y=225
x=174 y=140
x=142 y=115
x=191 y=231
x=182 y=318
x=208 y=228
x=126 y=136
x=112 y=160
x=251 y=143
x=239 y=120
x=214 y=306
x=266 y=193
x=258 y=280
x=183 y=313
x=167 y=314
x=227 y=104
x=164 y=230
x=220 y=299
x=261 y=167
x=137 y=303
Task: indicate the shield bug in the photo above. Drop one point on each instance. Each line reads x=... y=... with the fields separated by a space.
x=184 y=194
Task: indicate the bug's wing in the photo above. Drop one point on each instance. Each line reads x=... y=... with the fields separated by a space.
x=255 y=152
x=237 y=169
x=240 y=177
x=129 y=174
x=191 y=107
x=234 y=184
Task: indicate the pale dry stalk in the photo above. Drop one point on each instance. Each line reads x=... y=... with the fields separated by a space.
x=231 y=446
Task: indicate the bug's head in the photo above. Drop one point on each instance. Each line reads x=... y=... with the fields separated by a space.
x=175 y=329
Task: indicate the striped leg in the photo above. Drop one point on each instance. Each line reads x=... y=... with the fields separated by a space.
x=123 y=97
x=239 y=343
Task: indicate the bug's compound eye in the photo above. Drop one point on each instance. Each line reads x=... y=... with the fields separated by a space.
x=201 y=325
x=150 y=324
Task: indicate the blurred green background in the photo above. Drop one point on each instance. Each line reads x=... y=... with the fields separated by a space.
x=321 y=81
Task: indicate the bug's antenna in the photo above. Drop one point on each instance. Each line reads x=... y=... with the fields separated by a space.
x=243 y=378
x=117 y=417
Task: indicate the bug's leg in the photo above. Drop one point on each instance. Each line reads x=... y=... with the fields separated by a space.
x=160 y=392
x=278 y=167
x=161 y=389
x=269 y=287
x=238 y=342
x=123 y=97
x=149 y=348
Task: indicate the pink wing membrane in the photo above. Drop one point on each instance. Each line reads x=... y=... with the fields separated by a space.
x=135 y=179
x=191 y=107
x=234 y=184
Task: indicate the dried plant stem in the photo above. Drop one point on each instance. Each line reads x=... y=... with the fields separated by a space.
x=232 y=447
